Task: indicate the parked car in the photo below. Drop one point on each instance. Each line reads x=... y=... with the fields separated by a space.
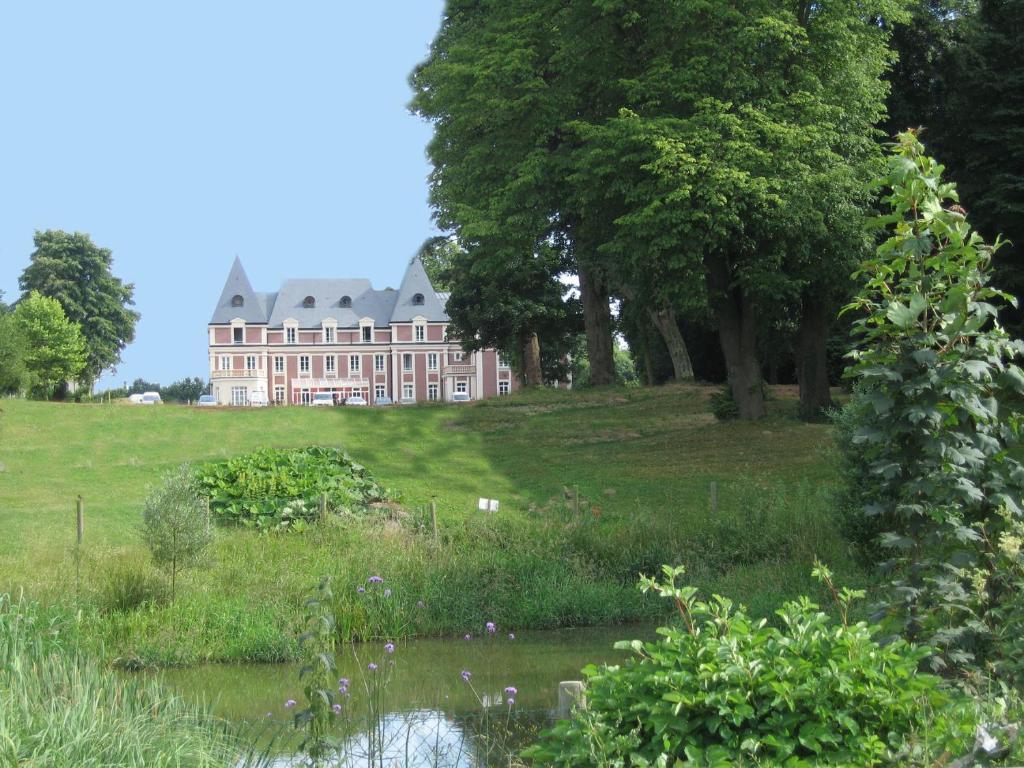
x=206 y=400
x=383 y=401
x=135 y=399
x=151 y=398
x=407 y=401
x=355 y=400
x=460 y=397
x=258 y=399
x=322 y=398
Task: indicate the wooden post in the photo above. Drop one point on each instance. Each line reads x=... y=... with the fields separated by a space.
x=570 y=696
x=80 y=518
x=323 y=507
x=80 y=530
x=576 y=498
x=714 y=497
x=433 y=517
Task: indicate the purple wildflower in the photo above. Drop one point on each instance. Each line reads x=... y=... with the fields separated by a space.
x=387 y=593
x=360 y=590
x=511 y=691
x=372 y=667
x=337 y=709
x=491 y=629
x=389 y=648
x=343 y=682
x=289 y=704
x=375 y=580
x=511 y=701
x=468 y=636
x=466 y=674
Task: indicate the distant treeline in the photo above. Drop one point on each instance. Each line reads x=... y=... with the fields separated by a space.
x=185 y=390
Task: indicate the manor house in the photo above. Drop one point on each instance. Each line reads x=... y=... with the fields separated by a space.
x=345 y=337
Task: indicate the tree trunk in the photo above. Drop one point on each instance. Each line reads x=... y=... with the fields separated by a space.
x=530 y=345
x=664 y=320
x=597 y=319
x=737 y=333
x=812 y=360
x=648 y=367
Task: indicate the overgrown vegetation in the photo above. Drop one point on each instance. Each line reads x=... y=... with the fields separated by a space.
x=176 y=523
x=282 y=489
x=722 y=688
x=928 y=434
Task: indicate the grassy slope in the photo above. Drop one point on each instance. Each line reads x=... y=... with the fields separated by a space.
x=644 y=458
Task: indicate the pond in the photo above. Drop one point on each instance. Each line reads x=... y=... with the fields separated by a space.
x=428 y=713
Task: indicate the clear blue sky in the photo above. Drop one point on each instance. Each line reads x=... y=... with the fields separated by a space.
x=180 y=134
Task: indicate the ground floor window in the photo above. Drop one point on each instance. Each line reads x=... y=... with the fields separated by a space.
x=408 y=392
x=503 y=387
x=379 y=391
x=278 y=395
x=305 y=397
x=432 y=392
x=239 y=395
x=461 y=386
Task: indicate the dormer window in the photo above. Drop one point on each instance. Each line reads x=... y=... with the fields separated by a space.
x=417 y=299
x=346 y=302
x=237 y=300
x=309 y=302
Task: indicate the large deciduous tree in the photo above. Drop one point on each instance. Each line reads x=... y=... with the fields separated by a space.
x=70 y=268
x=54 y=349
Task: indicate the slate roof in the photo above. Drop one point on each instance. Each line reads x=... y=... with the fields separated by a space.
x=385 y=306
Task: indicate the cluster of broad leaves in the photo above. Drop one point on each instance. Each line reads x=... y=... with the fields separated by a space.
x=930 y=430
x=725 y=689
x=281 y=489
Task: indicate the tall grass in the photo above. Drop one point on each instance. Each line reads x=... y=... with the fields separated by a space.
x=60 y=707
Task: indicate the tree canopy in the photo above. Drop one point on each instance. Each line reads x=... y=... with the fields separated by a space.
x=54 y=349
x=77 y=273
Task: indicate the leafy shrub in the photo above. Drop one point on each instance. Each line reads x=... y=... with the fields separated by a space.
x=723 y=405
x=723 y=689
x=280 y=489
x=127 y=584
x=176 y=523
x=928 y=445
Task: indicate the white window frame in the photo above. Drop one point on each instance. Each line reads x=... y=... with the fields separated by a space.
x=238 y=334
x=330 y=334
x=504 y=387
x=419 y=333
x=408 y=392
x=305 y=396
x=305 y=364
x=407 y=361
x=279 y=364
x=459 y=356
x=379 y=364
x=225 y=362
x=433 y=392
x=502 y=362
x=355 y=364
x=291 y=335
x=279 y=394
x=330 y=365
x=366 y=330
x=239 y=395
x=431 y=361
x=379 y=391
x=462 y=386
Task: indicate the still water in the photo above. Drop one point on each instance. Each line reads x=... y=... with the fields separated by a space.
x=429 y=714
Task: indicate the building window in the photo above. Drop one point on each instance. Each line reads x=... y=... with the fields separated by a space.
x=346 y=302
x=503 y=388
x=461 y=386
x=309 y=302
x=432 y=391
x=407 y=392
x=250 y=362
x=225 y=362
x=417 y=299
x=432 y=361
x=278 y=395
x=367 y=333
x=407 y=362
x=237 y=300
x=305 y=397
x=238 y=335
x=239 y=395
x=304 y=364
x=502 y=361
x=278 y=365
x=289 y=335
x=458 y=357
x=380 y=391
x=354 y=365
x=378 y=363
x=331 y=365
x=421 y=332
x=329 y=335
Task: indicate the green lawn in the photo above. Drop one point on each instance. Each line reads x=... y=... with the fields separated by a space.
x=643 y=460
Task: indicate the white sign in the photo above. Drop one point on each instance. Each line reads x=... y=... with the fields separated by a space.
x=487 y=505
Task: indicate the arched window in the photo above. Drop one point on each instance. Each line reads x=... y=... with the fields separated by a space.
x=237 y=300
x=346 y=301
x=417 y=298
x=309 y=302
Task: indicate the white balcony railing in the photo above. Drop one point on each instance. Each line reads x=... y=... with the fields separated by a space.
x=238 y=373
x=459 y=370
